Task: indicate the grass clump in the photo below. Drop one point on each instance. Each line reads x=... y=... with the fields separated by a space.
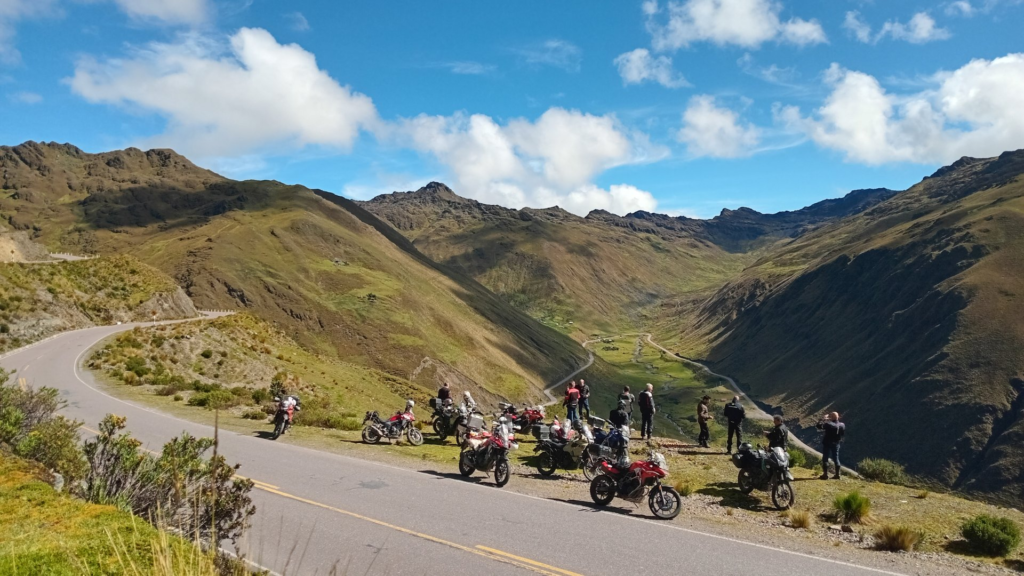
x=206 y=353
x=881 y=470
x=684 y=488
x=990 y=535
x=852 y=507
x=897 y=538
x=214 y=400
x=800 y=519
x=254 y=415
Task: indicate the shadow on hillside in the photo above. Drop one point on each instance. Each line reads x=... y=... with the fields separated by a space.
x=1015 y=565
x=731 y=497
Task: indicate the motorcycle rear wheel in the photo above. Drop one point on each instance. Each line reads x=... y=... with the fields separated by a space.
x=782 y=495
x=746 y=481
x=502 y=472
x=602 y=490
x=465 y=466
x=415 y=436
x=665 y=503
x=545 y=463
x=371 y=435
x=440 y=429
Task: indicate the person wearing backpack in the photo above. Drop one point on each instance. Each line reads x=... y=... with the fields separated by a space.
x=584 y=398
x=734 y=414
x=627 y=398
x=647 y=410
x=834 y=431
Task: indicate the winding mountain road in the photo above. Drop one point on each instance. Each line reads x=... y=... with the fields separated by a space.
x=319 y=511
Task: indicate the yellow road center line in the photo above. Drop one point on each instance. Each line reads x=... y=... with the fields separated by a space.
x=486 y=553
x=526 y=560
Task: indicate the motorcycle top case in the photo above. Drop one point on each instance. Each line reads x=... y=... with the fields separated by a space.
x=475 y=421
x=541 y=431
x=435 y=403
x=596 y=422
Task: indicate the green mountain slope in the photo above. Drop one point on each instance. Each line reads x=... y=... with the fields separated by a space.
x=906 y=318
x=318 y=268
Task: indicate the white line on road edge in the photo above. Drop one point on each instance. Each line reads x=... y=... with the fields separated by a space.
x=485 y=487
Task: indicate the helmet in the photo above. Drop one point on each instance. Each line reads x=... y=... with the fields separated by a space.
x=409 y=404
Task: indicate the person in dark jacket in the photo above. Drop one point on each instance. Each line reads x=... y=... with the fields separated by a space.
x=734 y=414
x=627 y=398
x=703 y=417
x=834 y=432
x=445 y=393
x=778 y=436
x=619 y=417
x=647 y=410
x=584 y=389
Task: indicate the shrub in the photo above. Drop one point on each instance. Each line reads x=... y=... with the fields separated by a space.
x=261 y=395
x=254 y=415
x=350 y=423
x=800 y=519
x=923 y=494
x=178 y=398
x=214 y=400
x=169 y=390
x=797 y=457
x=852 y=507
x=206 y=353
x=991 y=536
x=881 y=470
x=137 y=365
x=683 y=488
x=203 y=387
x=897 y=538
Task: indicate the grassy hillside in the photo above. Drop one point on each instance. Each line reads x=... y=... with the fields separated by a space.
x=602 y=272
x=319 y=268
x=46 y=532
x=904 y=318
x=38 y=300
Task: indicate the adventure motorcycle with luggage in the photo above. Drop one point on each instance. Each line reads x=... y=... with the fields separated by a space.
x=375 y=428
x=486 y=451
x=568 y=451
x=286 y=407
x=636 y=481
x=767 y=471
x=522 y=421
x=610 y=446
x=445 y=418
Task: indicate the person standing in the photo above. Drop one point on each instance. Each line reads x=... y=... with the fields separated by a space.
x=584 y=398
x=778 y=436
x=834 y=431
x=703 y=417
x=628 y=399
x=647 y=410
x=571 y=402
x=445 y=393
x=734 y=414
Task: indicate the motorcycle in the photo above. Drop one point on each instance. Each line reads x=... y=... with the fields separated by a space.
x=445 y=418
x=611 y=446
x=485 y=451
x=765 y=471
x=636 y=481
x=470 y=420
x=283 y=415
x=374 y=428
x=566 y=453
x=522 y=421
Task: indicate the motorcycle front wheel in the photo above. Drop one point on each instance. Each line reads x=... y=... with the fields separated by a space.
x=278 y=430
x=371 y=435
x=465 y=466
x=415 y=436
x=665 y=503
x=502 y=472
x=746 y=481
x=782 y=495
x=602 y=490
x=591 y=466
x=545 y=463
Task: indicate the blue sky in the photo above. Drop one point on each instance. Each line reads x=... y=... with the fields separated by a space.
x=683 y=107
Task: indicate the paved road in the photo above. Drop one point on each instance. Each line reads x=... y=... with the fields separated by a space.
x=320 y=510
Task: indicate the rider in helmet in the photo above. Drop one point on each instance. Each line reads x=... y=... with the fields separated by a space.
x=289 y=403
x=468 y=401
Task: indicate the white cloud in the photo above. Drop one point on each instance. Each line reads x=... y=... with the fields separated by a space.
x=919 y=30
x=772 y=73
x=13 y=11
x=546 y=162
x=26 y=98
x=167 y=11
x=960 y=8
x=714 y=131
x=299 y=21
x=639 y=66
x=747 y=23
x=557 y=53
x=972 y=111
x=469 y=67
x=224 y=101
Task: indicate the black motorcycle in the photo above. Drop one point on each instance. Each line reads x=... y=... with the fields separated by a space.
x=486 y=451
x=374 y=428
x=767 y=471
x=567 y=454
x=283 y=415
x=469 y=421
x=445 y=418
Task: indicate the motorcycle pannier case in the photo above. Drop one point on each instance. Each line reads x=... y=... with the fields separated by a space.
x=541 y=431
x=475 y=421
x=596 y=422
x=435 y=403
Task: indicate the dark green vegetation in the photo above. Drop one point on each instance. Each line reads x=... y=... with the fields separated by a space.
x=337 y=280
x=38 y=300
x=991 y=536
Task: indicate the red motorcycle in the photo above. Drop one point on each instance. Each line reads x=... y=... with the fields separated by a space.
x=523 y=421
x=486 y=450
x=634 y=482
x=401 y=423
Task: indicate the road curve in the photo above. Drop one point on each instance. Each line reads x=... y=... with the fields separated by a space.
x=319 y=510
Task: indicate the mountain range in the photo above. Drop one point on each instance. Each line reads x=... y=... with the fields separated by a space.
x=897 y=308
